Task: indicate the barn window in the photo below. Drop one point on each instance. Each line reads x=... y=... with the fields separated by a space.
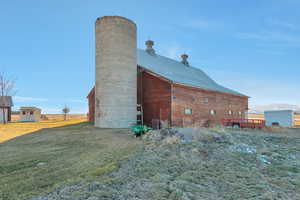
x=205 y=100
x=31 y=112
x=213 y=112
x=24 y=113
x=230 y=112
x=240 y=113
x=188 y=111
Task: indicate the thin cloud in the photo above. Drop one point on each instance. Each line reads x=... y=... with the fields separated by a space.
x=58 y=110
x=21 y=99
x=282 y=24
x=173 y=51
x=201 y=24
x=76 y=101
x=270 y=36
x=271 y=52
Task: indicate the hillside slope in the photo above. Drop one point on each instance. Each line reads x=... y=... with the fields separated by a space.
x=38 y=162
x=201 y=164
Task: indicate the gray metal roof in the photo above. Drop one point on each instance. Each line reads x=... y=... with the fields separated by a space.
x=179 y=73
x=6 y=101
x=29 y=108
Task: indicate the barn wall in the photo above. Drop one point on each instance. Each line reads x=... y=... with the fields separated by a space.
x=193 y=98
x=91 y=100
x=154 y=94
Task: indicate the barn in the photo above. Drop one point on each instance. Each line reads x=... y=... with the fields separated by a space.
x=6 y=104
x=168 y=92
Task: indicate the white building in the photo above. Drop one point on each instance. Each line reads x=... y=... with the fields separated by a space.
x=283 y=118
x=30 y=114
x=6 y=104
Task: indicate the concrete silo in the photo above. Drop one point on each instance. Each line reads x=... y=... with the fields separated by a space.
x=116 y=72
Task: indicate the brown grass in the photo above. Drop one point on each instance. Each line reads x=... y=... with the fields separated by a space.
x=55 y=116
x=15 y=129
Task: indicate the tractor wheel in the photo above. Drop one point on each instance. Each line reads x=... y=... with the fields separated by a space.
x=236 y=126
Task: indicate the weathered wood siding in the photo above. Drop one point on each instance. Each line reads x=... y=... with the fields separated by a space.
x=9 y=114
x=196 y=99
x=91 y=100
x=154 y=93
x=165 y=101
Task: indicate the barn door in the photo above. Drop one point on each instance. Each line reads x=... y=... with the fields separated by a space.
x=164 y=116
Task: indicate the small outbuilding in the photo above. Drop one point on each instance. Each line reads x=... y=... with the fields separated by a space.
x=283 y=118
x=6 y=104
x=30 y=114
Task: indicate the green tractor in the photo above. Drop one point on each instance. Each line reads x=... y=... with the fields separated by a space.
x=138 y=130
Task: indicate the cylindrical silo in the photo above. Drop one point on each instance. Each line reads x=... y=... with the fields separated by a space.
x=116 y=72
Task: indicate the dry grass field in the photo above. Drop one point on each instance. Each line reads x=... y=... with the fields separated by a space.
x=15 y=129
x=56 y=116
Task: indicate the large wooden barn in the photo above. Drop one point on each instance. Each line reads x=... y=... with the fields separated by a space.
x=173 y=93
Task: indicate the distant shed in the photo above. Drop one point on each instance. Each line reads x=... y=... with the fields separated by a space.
x=6 y=104
x=30 y=114
x=283 y=118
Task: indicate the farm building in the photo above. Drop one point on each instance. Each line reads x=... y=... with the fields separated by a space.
x=283 y=118
x=30 y=114
x=6 y=104
x=170 y=92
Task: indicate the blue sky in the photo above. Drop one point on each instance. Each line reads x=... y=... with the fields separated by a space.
x=250 y=46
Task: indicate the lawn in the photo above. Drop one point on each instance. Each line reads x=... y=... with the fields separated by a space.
x=37 y=162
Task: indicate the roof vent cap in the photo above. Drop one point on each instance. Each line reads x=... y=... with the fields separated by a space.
x=149 y=49
x=184 y=59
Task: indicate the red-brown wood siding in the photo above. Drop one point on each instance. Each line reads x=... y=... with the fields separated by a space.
x=154 y=94
x=91 y=100
x=9 y=114
x=184 y=97
x=162 y=100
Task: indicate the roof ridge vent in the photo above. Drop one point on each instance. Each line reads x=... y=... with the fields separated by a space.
x=184 y=59
x=149 y=49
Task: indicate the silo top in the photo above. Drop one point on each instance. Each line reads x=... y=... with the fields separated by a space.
x=114 y=19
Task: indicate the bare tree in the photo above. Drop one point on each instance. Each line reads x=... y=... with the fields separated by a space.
x=65 y=111
x=7 y=88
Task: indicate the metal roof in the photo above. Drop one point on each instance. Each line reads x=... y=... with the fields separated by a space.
x=274 y=111
x=6 y=101
x=179 y=73
x=29 y=108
